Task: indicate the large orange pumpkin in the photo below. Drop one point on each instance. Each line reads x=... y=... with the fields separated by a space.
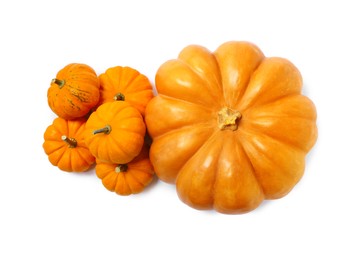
x=230 y=128
x=74 y=91
x=64 y=144
x=128 y=178
x=125 y=83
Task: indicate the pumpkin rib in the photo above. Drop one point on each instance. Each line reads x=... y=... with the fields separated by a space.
x=138 y=92
x=186 y=101
x=122 y=185
x=282 y=79
x=127 y=130
x=75 y=157
x=236 y=188
x=117 y=179
x=179 y=156
x=120 y=147
x=94 y=124
x=79 y=97
x=301 y=117
x=52 y=134
x=64 y=161
x=284 y=141
x=212 y=137
x=133 y=82
x=57 y=155
x=101 y=170
x=271 y=101
x=70 y=102
x=121 y=71
x=126 y=108
x=116 y=149
x=288 y=117
x=59 y=127
x=129 y=126
x=240 y=94
x=216 y=176
x=237 y=62
x=281 y=172
x=210 y=109
x=78 y=89
x=278 y=100
x=284 y=99
x=186 y=177
x=205 y=107
x=210 y=89
x=204 y=63
x=110 y=181
x=82 y=156
x=260 y=133
x=126 y=70
x=179 y=88
x=241 y=146
x=176 y=118
x=120 y=77
x=137 y=167
x=182 y=128
x=132 y=178
x=77 y=129
x=51 y=144
x=136 y=173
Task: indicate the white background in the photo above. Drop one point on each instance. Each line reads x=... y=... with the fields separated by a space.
x=49 y=214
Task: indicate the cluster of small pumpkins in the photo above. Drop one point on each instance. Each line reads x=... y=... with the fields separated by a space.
x=100 y=121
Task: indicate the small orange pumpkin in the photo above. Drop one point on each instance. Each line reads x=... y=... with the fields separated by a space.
x=115 y=132
x=64 y=144
x=125 y=83
x=74 y=91
x=129 y=178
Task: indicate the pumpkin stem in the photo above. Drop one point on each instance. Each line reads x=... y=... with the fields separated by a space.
x=121 y=168
x=106 y=130
x=70 y=141
x=227 y=119
x=59 y=82
x=119 y=97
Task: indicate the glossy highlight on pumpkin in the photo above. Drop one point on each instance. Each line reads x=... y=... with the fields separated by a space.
x=230 y=128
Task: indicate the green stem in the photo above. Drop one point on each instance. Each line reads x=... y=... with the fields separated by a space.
x=106 y=130
x=59 y=82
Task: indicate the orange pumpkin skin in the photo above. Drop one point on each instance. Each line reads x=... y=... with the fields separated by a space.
x=74 y=91
x=125 y=83
x=230 y=128
x=115 y=132
x=127 y=179
x=64 y=144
